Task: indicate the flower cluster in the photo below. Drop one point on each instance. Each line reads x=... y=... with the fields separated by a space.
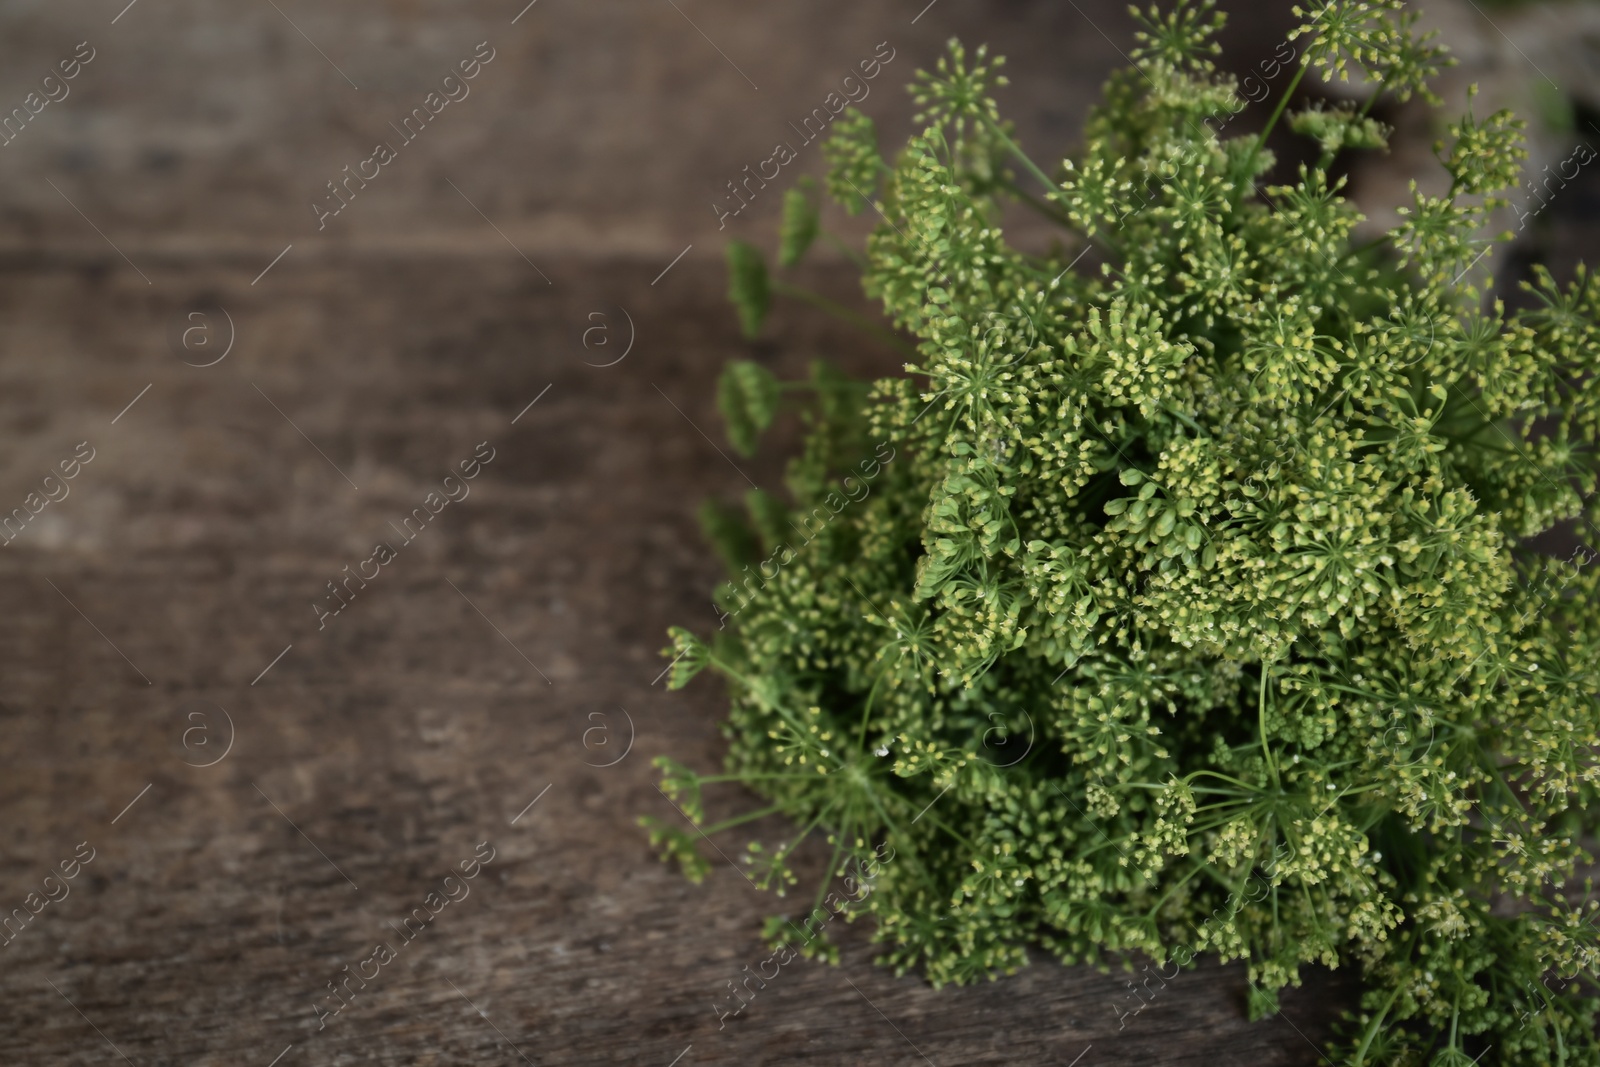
x=1231 y=525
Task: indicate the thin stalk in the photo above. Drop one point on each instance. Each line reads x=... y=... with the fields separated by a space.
x=812 y=825
x=748 y=777
x=923 y=874
x=1043 y=179
x=827 y=875
x=1038 y=205
x=1179 y=884
x=1383 y=87
x=728 y=824
x=1261 y=718
x=1240 y=804
x=1311 y=910
x=844 y=314
x=1363 y=789
x=855 y=257
x=866 y=712
x=1157 y=786
x=1375 y=1028
x=1369 y=245
x=1283 y=102
x=1225 y=778
x=1022 y=157
x=1455 y=1021
x=1216 y=877
x=959 y=837
x=1186 y=420
x=1200 y=828
x=800 y=729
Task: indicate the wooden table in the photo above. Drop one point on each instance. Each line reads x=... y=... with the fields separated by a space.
x=267 y=792
x=171 y=594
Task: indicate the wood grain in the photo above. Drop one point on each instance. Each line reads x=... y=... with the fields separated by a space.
x=378 y=752
x=172 y=589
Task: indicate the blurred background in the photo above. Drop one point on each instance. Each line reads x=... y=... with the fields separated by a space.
x=270 y=763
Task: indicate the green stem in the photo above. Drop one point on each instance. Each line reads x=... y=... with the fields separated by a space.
x=855 y=257
x=827 y=875
x=748 y=777
x=1158 y=786
x=812 y=825
x=800 y=729
x=728 y=824
x=941 y=825
x=1179 y=884
x=1197 y=828
x=1363 y=789
x=1186 y=420
x=844 y=314
x=1277 y=112
x=1051 y=188
x=1038 y=205
x=1283 y=102
x=1022 y=157
x=924 y=875
x=1369 y=245
x=1383 y=87
x=1261 y=718
x=1218 y=774
x=866 y=712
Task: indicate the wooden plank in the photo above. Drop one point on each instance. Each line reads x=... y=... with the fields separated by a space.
x=378 y=752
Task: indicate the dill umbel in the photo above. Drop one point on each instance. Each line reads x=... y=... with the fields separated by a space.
x=1229 y=517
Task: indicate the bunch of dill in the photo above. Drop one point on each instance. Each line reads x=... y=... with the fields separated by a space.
x=1194 y=613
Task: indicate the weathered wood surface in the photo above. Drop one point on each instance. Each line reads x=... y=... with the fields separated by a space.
x=381 y=750
x=171 y=591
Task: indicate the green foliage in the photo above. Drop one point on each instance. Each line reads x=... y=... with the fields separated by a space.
x=800 y=222
x=854 y=165
x=1339 y=128
x=725 y=527
x=1194 y=612
x=747 y=396
x=690 y=656
x=676 y=846
x=748 y=287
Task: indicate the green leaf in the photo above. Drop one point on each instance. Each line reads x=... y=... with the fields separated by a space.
x=800 y=222
x=747 y=396
x=748 y=287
